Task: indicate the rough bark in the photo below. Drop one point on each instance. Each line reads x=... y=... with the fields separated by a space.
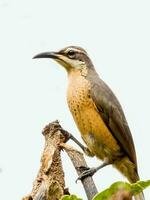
x=50 y=183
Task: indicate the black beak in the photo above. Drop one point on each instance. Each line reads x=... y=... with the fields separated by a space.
x=53 y=55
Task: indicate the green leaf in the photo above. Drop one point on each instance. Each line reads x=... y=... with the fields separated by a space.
x=70 y=197
x=106 y=194
x=134 y=189
x=139 y=186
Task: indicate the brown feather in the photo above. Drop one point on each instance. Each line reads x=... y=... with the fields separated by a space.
x=112 y=114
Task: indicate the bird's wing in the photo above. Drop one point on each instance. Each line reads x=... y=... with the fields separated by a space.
x=113 y=116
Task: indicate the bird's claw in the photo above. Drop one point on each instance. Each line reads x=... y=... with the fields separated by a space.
x=86 y=172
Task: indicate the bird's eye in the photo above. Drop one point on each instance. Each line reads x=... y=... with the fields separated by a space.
x=71 y=54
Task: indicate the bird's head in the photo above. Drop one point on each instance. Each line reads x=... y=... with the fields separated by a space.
x=72 y=58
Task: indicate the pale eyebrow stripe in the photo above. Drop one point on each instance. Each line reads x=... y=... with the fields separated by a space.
x=76 y=50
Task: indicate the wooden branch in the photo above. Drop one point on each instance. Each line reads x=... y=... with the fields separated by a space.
x=79 y=163
x=50 y=183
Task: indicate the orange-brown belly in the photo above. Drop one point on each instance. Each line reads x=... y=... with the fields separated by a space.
x=88 y=120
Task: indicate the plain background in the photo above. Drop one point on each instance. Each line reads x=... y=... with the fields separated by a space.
x=116 y=35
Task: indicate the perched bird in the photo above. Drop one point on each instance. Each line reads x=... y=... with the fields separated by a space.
x=97 y=114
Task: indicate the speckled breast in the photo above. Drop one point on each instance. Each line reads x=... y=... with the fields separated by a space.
x=88 y=120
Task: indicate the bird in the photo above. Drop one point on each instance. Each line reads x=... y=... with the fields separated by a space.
x=97 y=113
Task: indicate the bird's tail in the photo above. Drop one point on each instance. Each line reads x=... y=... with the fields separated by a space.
x=128 y=169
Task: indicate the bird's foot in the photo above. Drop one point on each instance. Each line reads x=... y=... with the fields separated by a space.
x=87 y=172
x=70 y=136
x=66 y=134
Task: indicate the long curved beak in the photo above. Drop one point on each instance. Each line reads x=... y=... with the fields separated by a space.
x=53 y=55
x=58 y=57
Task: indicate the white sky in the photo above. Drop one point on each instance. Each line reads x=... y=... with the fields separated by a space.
x=116 y=35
